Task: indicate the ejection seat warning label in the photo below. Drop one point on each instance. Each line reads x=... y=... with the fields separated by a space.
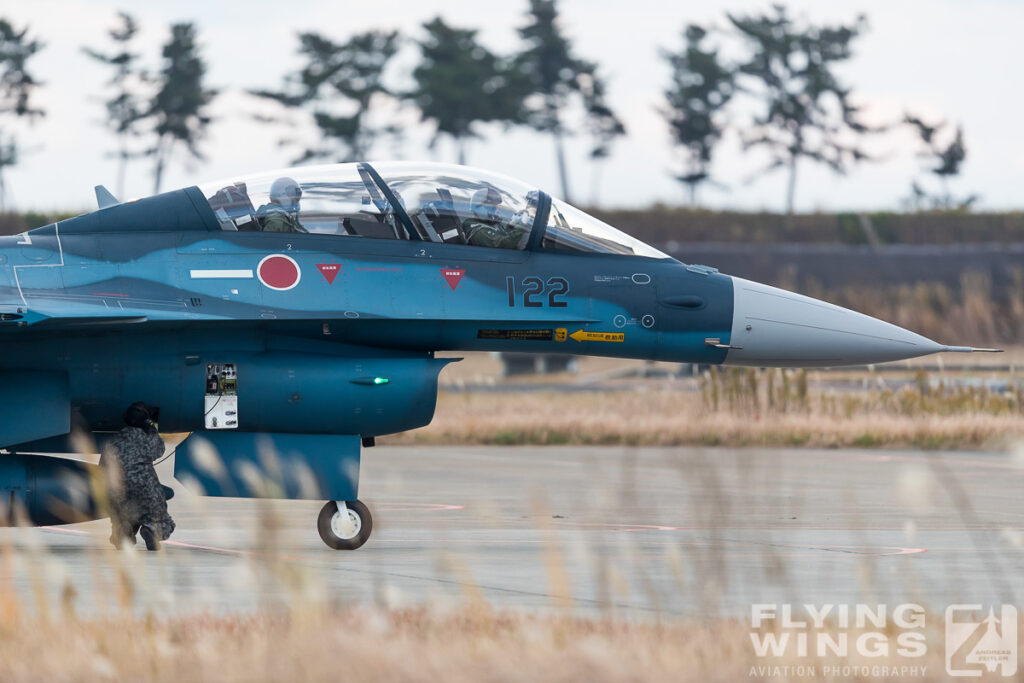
x=221 y=401
x=517 y=335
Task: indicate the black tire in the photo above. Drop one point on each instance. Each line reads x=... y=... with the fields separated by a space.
x=328 y=532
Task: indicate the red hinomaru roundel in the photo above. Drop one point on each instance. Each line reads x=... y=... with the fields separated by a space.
x=279 y=272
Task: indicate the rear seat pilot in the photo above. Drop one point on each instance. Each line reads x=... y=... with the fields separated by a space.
x=282 y=213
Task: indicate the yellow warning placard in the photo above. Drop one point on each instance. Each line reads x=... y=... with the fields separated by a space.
x=581 y=336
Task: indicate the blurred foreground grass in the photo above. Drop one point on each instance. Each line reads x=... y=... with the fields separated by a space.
x=471 y=643
x=320 y=615
x=741 y=407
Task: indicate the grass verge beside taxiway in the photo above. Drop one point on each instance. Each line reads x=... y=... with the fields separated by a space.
x=917 y=417
x=464 y=644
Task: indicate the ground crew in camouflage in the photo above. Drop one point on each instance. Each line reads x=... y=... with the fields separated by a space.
x=136 y=497
x=282 y=213
x=486 y=228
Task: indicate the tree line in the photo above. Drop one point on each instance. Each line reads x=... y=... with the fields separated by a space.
x=803 y=112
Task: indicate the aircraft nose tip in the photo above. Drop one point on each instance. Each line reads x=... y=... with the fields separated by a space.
x=779 y=328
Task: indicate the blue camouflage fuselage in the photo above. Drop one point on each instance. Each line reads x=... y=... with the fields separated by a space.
x=132 y=299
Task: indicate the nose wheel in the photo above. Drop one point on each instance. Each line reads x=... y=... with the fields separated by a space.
x=344 y=525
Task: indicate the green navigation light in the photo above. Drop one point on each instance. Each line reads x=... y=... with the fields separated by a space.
x=371 y=381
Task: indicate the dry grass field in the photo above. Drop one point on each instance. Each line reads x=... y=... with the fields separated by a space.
x=971 y=406
x=468 y=644
x=675 y=419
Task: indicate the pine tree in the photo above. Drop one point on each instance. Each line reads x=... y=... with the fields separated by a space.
x=944 y=160
x=806 y=113
x=701 y=89
x=16 y=88
x=179 y=107
x=337 y=87
x=460 y=83
x=553 y=78
x=125 y=108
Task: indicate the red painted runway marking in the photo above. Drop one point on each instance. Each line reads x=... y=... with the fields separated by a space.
x=419 y=507
x=812 y=551
x=230 y=551
x=620 y=527
x=178 y=544
x=887 y=550
x=998 y=460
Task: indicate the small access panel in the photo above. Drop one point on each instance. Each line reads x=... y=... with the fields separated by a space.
x=221 y=402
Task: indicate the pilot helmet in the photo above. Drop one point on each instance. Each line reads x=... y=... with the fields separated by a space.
x=286 y=192
x=485 y=202
x=138 y=415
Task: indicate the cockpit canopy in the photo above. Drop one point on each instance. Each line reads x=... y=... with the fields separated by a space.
x=413 y=201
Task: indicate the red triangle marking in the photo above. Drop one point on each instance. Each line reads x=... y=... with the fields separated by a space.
x=329 y=271
x=453 y=276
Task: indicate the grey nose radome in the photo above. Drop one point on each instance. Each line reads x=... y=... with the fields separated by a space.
x=775 y=328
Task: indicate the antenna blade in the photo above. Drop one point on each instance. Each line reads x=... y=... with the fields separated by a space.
x=105 y=198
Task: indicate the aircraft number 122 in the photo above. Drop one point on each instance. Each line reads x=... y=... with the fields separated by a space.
x=533 y=289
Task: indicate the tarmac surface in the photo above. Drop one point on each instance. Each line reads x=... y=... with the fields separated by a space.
x=632 y=531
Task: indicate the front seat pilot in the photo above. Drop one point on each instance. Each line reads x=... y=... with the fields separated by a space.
x=282 y=213
x=486 y=227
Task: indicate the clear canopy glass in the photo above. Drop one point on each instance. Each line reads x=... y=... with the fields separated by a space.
x=459 y=205
x=335 y=199
x=570 y=229
x=439 y=203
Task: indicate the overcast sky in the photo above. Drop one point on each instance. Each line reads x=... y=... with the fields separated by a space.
x=946 y=59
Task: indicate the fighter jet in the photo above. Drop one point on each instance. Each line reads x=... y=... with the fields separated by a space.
x=286 y=319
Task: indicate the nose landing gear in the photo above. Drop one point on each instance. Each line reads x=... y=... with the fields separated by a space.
x=344 y=525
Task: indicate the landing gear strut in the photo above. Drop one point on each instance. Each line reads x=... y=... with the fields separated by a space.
x=344 y=525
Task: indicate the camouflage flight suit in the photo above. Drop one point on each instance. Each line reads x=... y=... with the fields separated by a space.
x=483 y=234
x=134 y=491
x=275 y=218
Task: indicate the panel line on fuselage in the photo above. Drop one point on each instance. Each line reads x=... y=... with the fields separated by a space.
x=60 y=252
